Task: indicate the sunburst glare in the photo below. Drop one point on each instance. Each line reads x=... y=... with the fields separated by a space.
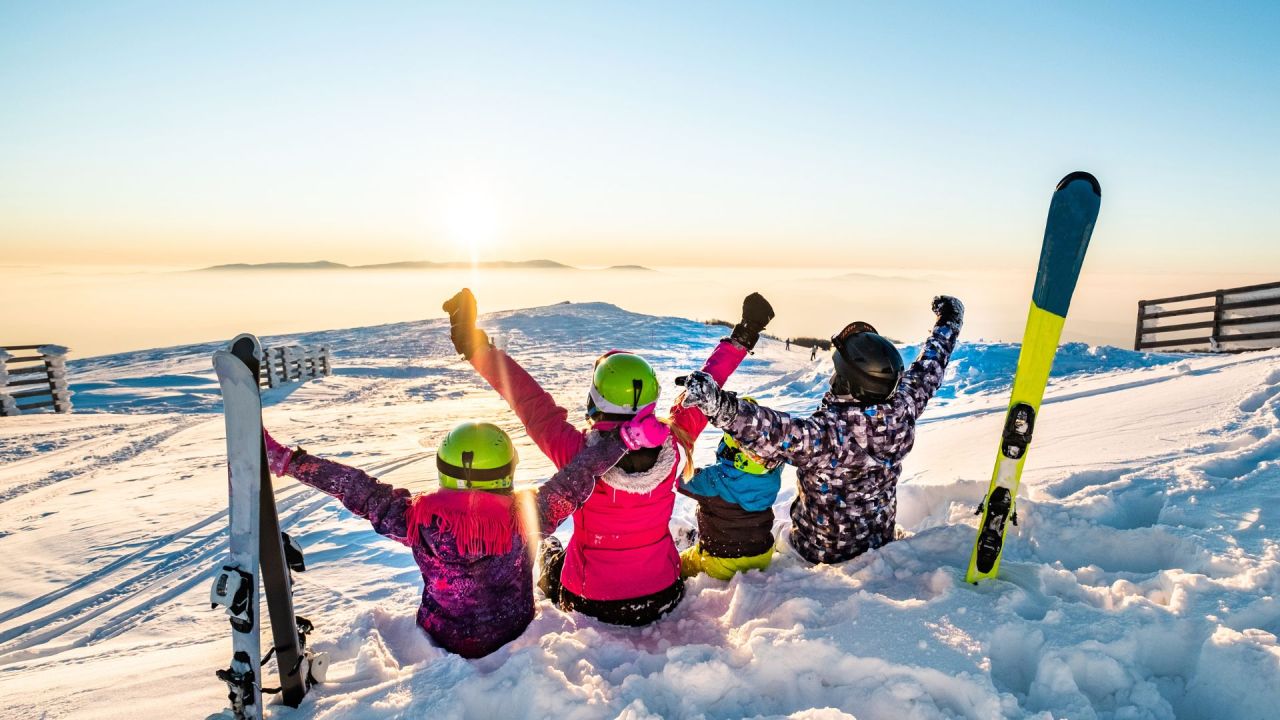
x=471 y=221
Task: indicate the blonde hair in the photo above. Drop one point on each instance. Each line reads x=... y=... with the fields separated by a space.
x=685 y=442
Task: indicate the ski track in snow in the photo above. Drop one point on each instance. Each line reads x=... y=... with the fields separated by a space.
x=1142 y=581
x=104 y=460
x=170 y=566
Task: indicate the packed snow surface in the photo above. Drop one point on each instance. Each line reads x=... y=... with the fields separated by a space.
x=1142 y=582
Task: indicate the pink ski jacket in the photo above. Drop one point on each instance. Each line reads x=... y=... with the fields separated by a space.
x=621 y=546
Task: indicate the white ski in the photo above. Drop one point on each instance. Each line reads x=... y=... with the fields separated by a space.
x=236 y=585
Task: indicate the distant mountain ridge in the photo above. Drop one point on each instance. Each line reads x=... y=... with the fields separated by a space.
x=412 y=265
x=315 y=265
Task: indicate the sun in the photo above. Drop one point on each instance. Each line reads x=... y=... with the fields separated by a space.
x=471 y=222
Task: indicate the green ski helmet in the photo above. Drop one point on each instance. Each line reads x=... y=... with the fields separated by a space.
x=476 y=456
x=623 y=383
x=742 y=458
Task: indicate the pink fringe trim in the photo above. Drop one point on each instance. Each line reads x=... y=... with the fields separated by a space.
x=482 y=523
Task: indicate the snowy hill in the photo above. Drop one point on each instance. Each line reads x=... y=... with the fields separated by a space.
x=1143 y=581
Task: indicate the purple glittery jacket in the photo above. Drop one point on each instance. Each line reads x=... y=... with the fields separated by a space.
x=472 y=603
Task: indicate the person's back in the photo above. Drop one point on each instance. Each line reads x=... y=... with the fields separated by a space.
x=621 y=537
x=846 y=495
x=735 y=497
x=848 y=455
x=477 y=596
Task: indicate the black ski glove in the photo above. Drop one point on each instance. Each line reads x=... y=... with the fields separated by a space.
x=703 y=392
x=756 y=314
x=462 y=323
x=949 y=310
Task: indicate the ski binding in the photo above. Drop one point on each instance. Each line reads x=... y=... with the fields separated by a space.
x=232 y=589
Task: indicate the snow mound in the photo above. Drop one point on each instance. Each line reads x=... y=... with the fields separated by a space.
x=989 y=367
x=1141 y=582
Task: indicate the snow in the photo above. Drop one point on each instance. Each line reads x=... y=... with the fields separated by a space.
x=1142 y=582
x=1272 y=293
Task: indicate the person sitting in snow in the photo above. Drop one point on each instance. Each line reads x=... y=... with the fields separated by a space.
x=848 y=454
x=469 y=537
x=735 y=497
x=621 y=565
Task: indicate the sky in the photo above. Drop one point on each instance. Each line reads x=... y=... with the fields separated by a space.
x=917 y=135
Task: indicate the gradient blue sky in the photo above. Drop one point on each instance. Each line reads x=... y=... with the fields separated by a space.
x=922 y=135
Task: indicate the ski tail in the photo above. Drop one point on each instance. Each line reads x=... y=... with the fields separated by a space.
x=1073 y=212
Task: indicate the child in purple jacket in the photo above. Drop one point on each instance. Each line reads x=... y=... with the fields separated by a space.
x=472 y=538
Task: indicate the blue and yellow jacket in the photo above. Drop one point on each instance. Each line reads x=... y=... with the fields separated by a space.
x=735 y=509
x=752 y=493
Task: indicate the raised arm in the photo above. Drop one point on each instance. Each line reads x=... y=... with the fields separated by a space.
x=725 y=359
x=383 y=505
x=923 y=378
x=546 y=422
x=769 y=433
x=569 y=488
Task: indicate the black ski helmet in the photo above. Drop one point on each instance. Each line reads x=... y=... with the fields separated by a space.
x=867 y=366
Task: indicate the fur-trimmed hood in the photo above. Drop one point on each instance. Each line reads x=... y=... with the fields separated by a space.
x=646 y=481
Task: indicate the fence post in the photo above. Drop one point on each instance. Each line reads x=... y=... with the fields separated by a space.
x=286 y=360
x=273 y=367
x=7 y=404
x=293 y=364
x=55 y=364
x=1137 y=336
x=326 y=360
x=1217 y=322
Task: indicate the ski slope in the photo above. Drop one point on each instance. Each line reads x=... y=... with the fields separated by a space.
x=1142 y=582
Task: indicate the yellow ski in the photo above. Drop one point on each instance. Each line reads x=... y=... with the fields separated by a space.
x=1072 y=214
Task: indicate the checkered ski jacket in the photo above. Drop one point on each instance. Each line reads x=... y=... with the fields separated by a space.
x=848 y=455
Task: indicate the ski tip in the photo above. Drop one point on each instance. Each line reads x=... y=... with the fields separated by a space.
x=1081 y=175
x=246 y=346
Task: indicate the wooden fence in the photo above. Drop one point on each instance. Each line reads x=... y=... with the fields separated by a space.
x=1231 y=320
x=33 y=377
x=295 y=363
